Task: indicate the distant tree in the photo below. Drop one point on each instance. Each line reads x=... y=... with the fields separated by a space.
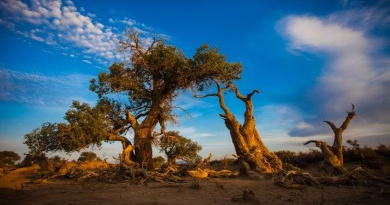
x=158 y=162
x=8 y=158
x=87 y=157
x=333 y=155
x=177 y=147
x=146 y=86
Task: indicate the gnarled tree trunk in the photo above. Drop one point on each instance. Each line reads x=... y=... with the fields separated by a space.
x=143 y=151
x=252 y=152
x=333 y=155
x=142 y=140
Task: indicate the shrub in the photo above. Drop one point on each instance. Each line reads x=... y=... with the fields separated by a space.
x=366 y=156
x=87 y=157
x=177 y=147
x=158 y=162
x=383 y=150
x=8 y=158
x=286 y=156
x=304 y=159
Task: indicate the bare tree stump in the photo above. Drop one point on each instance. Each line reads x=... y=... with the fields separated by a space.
x=334 y=154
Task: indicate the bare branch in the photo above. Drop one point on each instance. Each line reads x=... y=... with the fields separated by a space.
x=310 y=141
x=334 y=128
x=249 y=96
x=207 y=95
x=154 y=42
x=348 y=119
x=238 y=94
x=241 y=97
x=184 y=110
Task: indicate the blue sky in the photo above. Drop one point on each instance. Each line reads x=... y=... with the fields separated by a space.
x=310 y=59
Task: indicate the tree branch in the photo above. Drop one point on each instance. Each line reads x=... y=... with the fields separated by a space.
x=125 y=142
x=131 y=119
x=310 y=141
x=348 y=119
x=119 y=130
x=184 y=110
x=334 y=128
x=249 y=96
x=238 y=94
x=141 y=115
x=207 y=95
x=155 y=40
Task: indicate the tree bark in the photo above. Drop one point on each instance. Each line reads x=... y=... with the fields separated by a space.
x=127 y=157
x=252 y=152
x=143 y=150
x=333 y=155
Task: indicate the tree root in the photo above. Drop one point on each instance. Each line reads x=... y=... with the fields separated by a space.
x=205 y=173
x=295 y=178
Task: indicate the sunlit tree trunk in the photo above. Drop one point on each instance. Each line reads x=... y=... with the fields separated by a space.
x=143 y=149
x=333 y=155
x=252 y=152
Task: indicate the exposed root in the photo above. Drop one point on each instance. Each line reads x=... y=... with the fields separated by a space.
x=295 y=177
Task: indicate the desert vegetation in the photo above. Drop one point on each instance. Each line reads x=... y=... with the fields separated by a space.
x=147 y=86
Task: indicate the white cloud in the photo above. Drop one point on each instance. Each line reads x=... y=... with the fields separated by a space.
x=192 y=133
x=314 y=33
x=67 y=23
x=87 y=61
x=37 y=89
x=351 y=74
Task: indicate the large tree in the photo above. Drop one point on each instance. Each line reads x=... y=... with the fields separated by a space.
x=136 y=95
x=250 y=149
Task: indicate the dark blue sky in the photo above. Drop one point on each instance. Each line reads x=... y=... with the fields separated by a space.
x=310 y=59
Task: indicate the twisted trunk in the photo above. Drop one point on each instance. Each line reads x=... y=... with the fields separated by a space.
x=333 y=155
x=253 y=154
x=127 y=157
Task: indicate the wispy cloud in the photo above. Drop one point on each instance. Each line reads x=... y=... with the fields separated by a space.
x=354 y=72
x=63 y=25
x=193 y=133
x=38 y=89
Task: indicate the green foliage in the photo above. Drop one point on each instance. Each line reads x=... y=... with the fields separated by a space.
x=87 y=157
x=178 y=147
x=156 y=76
x=85 y=126
x=145 y=87
x=8 y=158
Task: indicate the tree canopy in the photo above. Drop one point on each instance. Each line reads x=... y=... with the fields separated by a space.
x=176 y=147
x=8 y=158
x=135 y=95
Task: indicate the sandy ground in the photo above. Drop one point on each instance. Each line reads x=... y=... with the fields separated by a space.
x=206 y=191
x=25 y=186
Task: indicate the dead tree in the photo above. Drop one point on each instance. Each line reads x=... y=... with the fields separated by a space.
x=252 y=153
x=333 y=155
